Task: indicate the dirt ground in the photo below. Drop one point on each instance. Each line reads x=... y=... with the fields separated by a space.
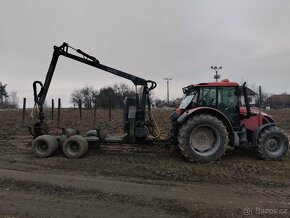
x=135 y=180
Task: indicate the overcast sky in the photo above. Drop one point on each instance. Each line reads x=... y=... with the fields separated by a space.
x=152 y=39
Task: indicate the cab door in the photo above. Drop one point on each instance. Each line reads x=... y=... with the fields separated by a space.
x=228 y=104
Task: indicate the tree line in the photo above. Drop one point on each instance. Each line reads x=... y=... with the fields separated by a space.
x=109 y=95
x=88 y=96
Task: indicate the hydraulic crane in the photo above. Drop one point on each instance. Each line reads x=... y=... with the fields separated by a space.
x=134 y=107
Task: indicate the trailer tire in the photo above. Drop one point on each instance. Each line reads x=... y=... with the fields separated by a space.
x=75 y=146
x=203 y=138
x=44 y=146
x=272 y=143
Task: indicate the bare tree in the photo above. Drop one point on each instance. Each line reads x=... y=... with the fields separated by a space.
x=3 y=93
x=76 y=96
x=88 y=94
x=7 y=101
x=123 y=89
x=13 y=99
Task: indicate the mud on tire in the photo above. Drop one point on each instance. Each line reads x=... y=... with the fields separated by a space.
x=75 y=146
x=272 y=144
x=203 y=138
x=44 y=146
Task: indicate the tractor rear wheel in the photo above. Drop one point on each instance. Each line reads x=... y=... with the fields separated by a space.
x=272 y=144
x=44 y=146
x=75 y=146
x=203 y=138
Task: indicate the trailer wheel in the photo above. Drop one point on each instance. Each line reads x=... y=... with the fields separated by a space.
x=272 y=144
x=44 y=146
x=203 y=138
x=75 y=146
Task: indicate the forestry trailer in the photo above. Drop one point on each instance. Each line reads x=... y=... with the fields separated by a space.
x=209 y=119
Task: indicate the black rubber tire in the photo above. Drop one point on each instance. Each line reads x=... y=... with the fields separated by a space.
x=44 y=146
x=273 y=144
x=206 y=130
x=75 y=146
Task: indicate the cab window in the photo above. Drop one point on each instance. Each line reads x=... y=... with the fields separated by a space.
x=207 y=97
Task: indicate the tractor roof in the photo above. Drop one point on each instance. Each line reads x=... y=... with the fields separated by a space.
x=223 y=83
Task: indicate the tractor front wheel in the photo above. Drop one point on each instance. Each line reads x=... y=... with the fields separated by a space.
x=272 y=144
x=203 y=138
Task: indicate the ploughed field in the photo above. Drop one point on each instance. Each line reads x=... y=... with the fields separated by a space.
x=135 y=180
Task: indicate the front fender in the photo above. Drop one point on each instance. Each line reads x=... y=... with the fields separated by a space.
x=257 y=132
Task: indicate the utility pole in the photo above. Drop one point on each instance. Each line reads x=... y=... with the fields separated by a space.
x=216 y=69
x=260 y=97
x=167 y=81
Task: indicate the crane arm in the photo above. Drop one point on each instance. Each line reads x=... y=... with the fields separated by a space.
x=39 y=97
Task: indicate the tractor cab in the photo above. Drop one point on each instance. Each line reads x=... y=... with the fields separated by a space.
x=222 y=96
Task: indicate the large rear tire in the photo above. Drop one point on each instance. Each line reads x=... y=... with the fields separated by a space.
x=272 y=144
x=44 y=146
x=75 y=146
x=203 y=138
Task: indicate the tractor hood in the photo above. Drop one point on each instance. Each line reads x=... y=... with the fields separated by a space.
x=256 y=112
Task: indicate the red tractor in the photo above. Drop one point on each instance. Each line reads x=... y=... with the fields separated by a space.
x=211 y=118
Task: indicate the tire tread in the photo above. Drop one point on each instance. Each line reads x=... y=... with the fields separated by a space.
x=185 y=131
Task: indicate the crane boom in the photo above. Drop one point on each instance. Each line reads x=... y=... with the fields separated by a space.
x=39 y=97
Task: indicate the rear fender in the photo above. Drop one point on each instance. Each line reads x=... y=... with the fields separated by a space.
x=205 y=110
x=257 y=132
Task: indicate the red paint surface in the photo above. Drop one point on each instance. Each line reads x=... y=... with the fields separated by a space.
x=218 y=84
